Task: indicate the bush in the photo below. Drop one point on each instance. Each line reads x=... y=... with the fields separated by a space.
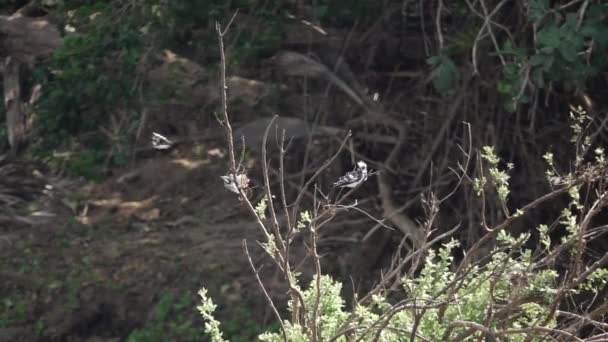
x=96 y=78
x=509 y=292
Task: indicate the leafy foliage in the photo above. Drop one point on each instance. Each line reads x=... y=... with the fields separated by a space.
x=506 y=282
x=347 y=13
x=91 y=75
x=97 y=74
x=560 y=53
x=507 y=290
x=445 y=73
x=172 y=321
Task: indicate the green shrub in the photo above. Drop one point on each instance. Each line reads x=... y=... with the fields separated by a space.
x=557 y=55
x=91 y=75
x=96 y=76
x=172 y=321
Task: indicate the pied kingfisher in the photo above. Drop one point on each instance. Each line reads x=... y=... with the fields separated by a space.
x=160 y=142
x=242 y=182
x=353 y=178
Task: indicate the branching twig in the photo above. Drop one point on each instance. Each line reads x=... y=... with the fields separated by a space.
x=270 y=301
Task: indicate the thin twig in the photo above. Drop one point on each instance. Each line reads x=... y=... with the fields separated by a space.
x=316 y=259
x=438 y=24
x=224 y=87
x=322 y=168
x=269 y=196
x=270 y=301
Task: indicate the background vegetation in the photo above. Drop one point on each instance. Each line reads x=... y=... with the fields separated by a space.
x=528 y=77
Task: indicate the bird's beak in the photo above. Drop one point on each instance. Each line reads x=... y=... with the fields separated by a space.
x=225 y=179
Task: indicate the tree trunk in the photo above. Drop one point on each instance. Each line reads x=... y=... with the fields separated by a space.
x=23 y=41
x=15 y=115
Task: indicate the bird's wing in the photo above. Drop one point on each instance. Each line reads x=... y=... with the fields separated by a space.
x=349 y=177
x=160 y=142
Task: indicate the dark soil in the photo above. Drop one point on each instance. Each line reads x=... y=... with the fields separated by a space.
x=127 y=262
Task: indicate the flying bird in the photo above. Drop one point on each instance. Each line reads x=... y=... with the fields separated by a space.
x=160 y=142
x=353 y=178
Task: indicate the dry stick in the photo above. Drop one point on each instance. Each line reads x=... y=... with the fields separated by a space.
x=228 y=127
x=480 y=15
x=598 y=312
x=425 y=38
x=484 y=220
x=576 y=282
x=385 y=318
x=354 y=206
x=403 y=222
x=451 y=288
x=493 y=231
x=398 y=268
x=599 y=338
x=490 y=311
x=577 y=263
x=322 y=168
x=315 y=258
x=257 y=277
x=395 y=272
x=581 y=14
x=463 y=168
x=536 y=329
x=453 y=111
x=279 y=259
x=293 y=184
x=582 y=320
x=486 y=26
x=549 y=258
x=438 y=24
x=282 y=253
x=432 y=212
x=282 y=152
x=390 y=215
x=275 y=222
x=331 y=209
x=290 y=227
x=571 y=3
x=307 y=66
x=489 y=26
x=593 y=211
x=467 y=324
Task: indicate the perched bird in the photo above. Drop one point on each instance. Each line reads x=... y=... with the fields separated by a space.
x=233 y=184
x=353 y=178
x=160 y=142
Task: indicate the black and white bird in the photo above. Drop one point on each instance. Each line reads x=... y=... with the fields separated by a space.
x=353 y=178
x=160 y=142
x=233 y=184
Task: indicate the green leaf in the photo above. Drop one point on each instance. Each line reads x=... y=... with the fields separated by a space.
x=538 y=9
x=537 y=60
x=445 y=75
x=504 y=87
x=433 y=60
x=568 y=52
x=510 y=106
x=549 y=63
x=550 y=36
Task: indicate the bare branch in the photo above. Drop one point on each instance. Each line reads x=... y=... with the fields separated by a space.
x=270 y=301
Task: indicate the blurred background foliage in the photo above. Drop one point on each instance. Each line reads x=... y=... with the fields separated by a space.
x=534 y=47
x=525 y=61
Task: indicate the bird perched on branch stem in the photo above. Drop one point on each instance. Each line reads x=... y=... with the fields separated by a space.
x=233 y=183
x=353 y=178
